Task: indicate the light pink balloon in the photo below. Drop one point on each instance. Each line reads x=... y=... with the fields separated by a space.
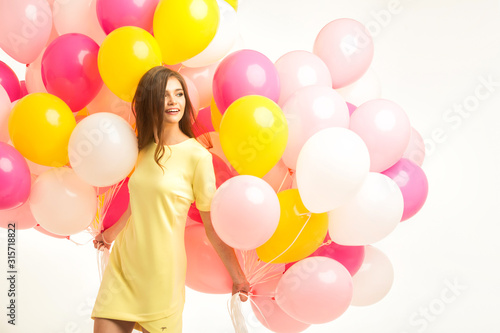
x=48 y=233
x=193 y=95
x=346 y=47
x=25 y=27
x=280 y=177
x=62 y=203
x=307 y=111
x=4 y=115
x=413 y=184
x=385 y=128
x=78 y=16
x=202 y=77
x=298 y=69
x=205 y=270
x=33 y=76
x=315 y=290
x=415 y=151
x=243 y=73
x=268 y=312
x=106 y=101
x=245 y=212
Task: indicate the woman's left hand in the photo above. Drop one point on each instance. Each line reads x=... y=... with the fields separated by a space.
x=243 y=288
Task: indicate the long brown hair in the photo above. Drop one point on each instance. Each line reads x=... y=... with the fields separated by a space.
x=148 y=107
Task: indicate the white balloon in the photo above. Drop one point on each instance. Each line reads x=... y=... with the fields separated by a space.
x=331 y=168
x=368 y=87
x=374 y=278
x=102 y=149
x=61 y=202
x=371 y=215
x=223 y=40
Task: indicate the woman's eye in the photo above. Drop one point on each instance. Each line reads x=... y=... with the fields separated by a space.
x=180 y=94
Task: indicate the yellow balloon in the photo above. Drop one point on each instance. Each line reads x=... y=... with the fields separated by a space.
x=184 y=28
x=40 y=125
x=125 y=55
x=215 y=115
x=233 y=3
x=294 y=216
x=253 y=135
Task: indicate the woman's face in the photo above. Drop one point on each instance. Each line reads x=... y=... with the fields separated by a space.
x=175 y=101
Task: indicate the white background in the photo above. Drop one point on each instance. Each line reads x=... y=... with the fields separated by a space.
x=429 y=56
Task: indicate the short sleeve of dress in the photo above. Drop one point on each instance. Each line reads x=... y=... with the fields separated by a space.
x=204 y=183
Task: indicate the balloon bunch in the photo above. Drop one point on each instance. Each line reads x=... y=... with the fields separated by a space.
x=311 y=181
x=306 y=180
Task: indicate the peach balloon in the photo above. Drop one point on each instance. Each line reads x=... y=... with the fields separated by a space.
x=415 y=151
x=106 y=101
x=62 y=203
x=385 y=128
x=202 y=77
x=346 y=47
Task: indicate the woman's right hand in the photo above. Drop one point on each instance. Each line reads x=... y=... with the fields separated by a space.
x=99 y=242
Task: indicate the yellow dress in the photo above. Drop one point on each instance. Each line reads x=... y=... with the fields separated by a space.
x=145 y=275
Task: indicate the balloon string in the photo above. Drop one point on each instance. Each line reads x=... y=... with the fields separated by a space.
x=283 y=182
x=234 y=308
x=309 y=214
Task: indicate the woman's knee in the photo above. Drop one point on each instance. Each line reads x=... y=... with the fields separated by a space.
x=106 y=325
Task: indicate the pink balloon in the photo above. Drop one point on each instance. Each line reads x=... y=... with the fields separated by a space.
x=14 y=176
x=280 y=177
x=39 y=228
x=21 y=216
x=205 y=270
x=205 y=120
x=351 y=108
x=4 y=115
x=113 y=14
x=25 y=27
x=415 y=151
x=242 y=73
x=193 y=95
x=315 y=290
x=268 y=312
x=203 y=78
x=9 y=81
x=346 y=47
x=385 y=128
x=245 y=212
x=413 y=184
x=351 y=257
x=69 y=70
x=309 y=110
x=118 y=206
x=34 y=82
x=23 y=91
x=298 y=69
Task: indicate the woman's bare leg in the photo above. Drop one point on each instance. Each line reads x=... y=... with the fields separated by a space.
x=105 y=325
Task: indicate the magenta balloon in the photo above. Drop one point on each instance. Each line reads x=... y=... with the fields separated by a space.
x=113 y=14
x=243 y=73
x=15 y=178
x=413 y=184
x=205 y=270
x=346 y=47
x=21 y=216
x=351 y=257
x=118 y=206
x=315 y=290
x=9 y=81
x=351 y=108
x=69 y=70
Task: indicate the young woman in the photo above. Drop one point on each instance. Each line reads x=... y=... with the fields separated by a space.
x=143 y=284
